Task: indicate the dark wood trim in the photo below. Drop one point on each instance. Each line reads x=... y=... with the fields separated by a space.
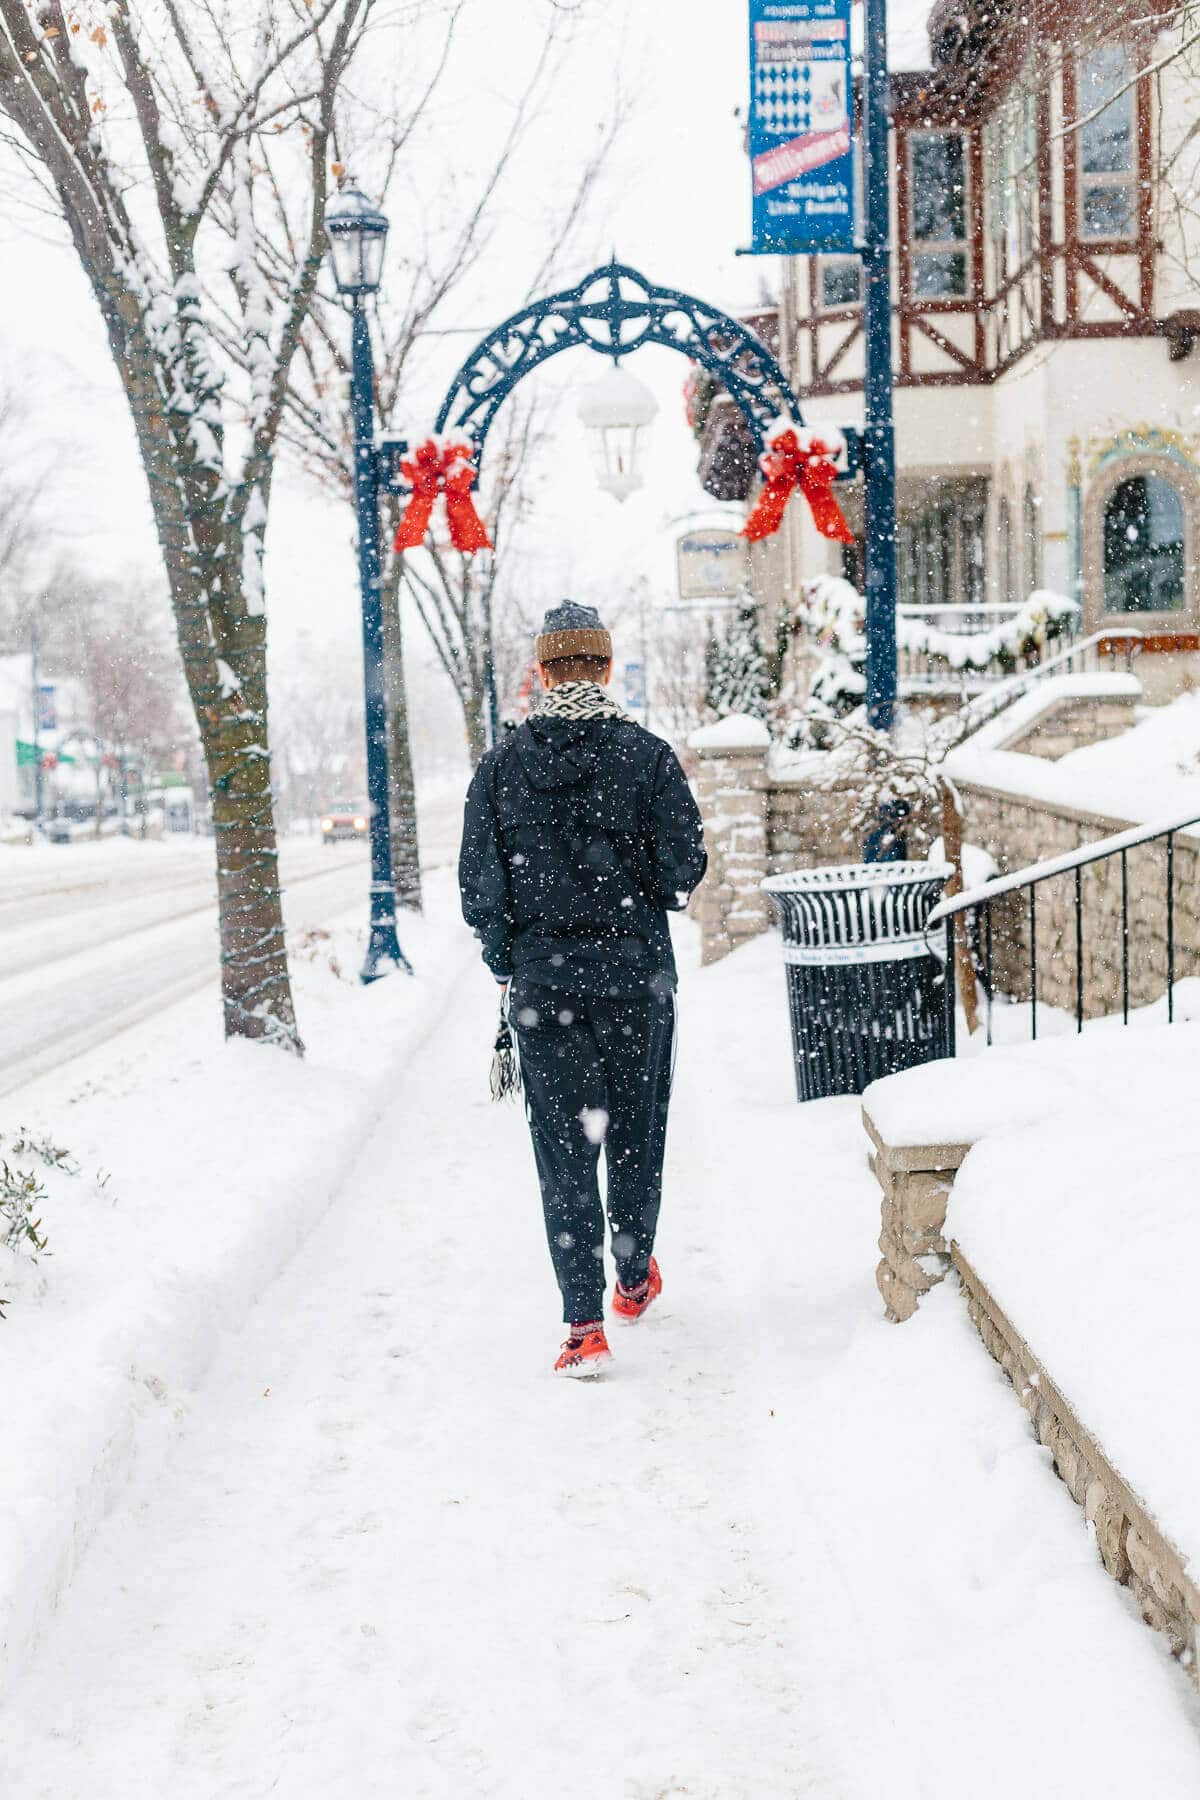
x=1144 y=95
x=927 y=329
x=974 y=149
x=903 y=247
x=854 y=333
x=1085 y=264
x=942 y=303
x=1045 y=180
x=1070 y=144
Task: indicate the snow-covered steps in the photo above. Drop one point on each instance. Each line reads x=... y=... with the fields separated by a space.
x=1058 y=1180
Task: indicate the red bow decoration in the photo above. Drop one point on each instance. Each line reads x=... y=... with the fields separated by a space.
x=442 y=465
x=798 y=457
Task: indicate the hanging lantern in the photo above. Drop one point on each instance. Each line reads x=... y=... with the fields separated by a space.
x=615 y=411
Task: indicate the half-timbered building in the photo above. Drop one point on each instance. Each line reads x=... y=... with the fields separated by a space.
x=1046 y=306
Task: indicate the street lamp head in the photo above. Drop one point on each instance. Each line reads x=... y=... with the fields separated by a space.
x=357 y=233
x=615 y=411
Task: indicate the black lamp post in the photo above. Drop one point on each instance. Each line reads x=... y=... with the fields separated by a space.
x=357 y=237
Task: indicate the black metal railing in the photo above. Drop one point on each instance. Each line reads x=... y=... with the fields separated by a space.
x=979 y=902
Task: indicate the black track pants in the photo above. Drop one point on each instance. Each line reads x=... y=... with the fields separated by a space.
x=596 y=1074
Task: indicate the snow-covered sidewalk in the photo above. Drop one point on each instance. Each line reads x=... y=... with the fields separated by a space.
x=785 y=1549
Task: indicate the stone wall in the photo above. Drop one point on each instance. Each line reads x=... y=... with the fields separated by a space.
x=1130 y=1544
x=915 y=1181
x=731 y=791
x=1073 y=725
x=756 y=824
x=1017 y=832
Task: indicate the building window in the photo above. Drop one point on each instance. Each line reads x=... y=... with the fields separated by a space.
x=1004 y=523
x=972 y=552
x=1010 y=148
x=1107 y=182
x=1033 y=540
x=1143 y=547
x=938 y=214
x=841 y=281
x=940 y=548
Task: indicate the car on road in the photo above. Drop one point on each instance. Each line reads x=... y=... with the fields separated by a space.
x=340 y=821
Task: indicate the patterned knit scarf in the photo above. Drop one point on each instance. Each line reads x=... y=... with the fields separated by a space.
x=579 y=700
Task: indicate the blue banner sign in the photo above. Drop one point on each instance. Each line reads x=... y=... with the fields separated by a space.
x=801 y=126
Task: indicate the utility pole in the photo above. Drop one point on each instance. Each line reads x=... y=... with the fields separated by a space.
x=789 y=310
x=879 y=437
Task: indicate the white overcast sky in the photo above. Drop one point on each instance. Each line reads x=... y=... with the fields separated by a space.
x=676 y=205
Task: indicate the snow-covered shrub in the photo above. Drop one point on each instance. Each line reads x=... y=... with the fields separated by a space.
x=316 y=944
x=891 y=778
x=22 y=1195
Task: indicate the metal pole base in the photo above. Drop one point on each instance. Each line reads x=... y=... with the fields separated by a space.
x=383 y=950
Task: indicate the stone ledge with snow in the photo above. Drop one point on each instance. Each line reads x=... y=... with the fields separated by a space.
x=1134 y=777
x=1072 y=1220
x=737 y=731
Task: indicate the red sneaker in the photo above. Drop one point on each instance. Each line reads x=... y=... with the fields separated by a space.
x=629 y=1307
x=586 y=1355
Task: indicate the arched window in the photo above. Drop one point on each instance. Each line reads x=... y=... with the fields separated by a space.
x=1143 y=547
x=1033 y=541
x=1007 y=584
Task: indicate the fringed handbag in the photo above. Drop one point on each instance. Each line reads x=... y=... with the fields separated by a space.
x=506 y=1069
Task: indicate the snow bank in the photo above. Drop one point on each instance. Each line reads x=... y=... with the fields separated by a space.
x=966 y=1099
x=1084 y=1225
x=201 y=1171
x=1144 y=773
x=736 y=732
x=1077 y=1206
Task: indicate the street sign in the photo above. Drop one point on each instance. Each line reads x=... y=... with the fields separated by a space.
x=713 y=564
x=801 y=126
x=28 y=755
x=47 y=706
x=635 y=686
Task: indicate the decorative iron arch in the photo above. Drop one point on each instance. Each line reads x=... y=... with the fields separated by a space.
x=614 y=311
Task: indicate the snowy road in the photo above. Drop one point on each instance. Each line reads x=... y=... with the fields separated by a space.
x=784 y=1550
x=95 y=938
x=139 y=954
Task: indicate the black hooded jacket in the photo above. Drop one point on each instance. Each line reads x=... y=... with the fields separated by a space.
x=579 y=836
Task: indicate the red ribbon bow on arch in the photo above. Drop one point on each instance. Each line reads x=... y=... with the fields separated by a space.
x=802 y=457
x=442 y=465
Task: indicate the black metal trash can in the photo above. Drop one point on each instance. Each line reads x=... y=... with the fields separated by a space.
x=866 y=991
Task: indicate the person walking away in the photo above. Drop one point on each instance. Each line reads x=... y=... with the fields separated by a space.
x=580 y=834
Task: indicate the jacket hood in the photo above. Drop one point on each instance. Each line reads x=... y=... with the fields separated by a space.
x=560 y=753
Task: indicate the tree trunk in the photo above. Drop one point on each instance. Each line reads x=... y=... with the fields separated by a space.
x=474 y=712
x=255 y=988
x=402 y=789
x=222 y=642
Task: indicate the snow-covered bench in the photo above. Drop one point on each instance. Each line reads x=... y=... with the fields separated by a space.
x=1059 y=1180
